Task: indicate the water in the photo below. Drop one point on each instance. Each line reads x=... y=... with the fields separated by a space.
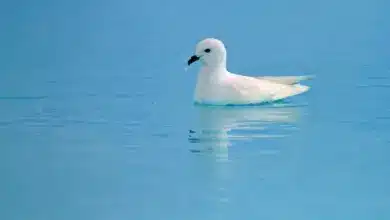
x=97 y=119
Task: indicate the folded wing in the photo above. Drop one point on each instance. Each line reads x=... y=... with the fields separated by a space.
x=287 y=80
x=253 y=90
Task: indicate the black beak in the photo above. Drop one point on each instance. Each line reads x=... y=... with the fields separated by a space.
x=193 y=59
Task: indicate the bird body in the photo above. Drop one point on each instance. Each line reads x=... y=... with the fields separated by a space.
x=216 y=85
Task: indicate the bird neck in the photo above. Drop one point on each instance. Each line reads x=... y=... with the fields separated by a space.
x=213 y=72
x=218 y=69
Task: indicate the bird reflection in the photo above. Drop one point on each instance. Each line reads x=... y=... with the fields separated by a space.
x=218 y=127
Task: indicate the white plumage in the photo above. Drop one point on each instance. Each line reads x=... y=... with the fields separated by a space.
x=216 y=85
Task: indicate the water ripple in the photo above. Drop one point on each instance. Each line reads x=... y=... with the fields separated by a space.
x=22 y=97
x=220 y=127
x=373 y=86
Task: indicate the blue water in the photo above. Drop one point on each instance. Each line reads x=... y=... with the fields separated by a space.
x=97 y=119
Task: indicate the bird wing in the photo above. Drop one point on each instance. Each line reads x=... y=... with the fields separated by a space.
x=250 y=89
x=287 y=80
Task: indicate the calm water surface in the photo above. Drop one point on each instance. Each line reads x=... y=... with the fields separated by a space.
x=97 y=119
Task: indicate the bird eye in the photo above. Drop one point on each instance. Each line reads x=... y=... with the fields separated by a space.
x=207 y=50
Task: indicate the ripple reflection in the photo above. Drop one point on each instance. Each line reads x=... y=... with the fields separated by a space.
x=218 y=127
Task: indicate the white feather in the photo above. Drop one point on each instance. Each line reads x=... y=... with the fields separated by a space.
x=216 y=85
x=288 y=80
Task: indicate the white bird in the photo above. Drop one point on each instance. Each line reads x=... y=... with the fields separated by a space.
x=217 y=86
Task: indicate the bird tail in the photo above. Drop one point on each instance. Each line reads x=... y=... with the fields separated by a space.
x=292 y=90
x=301 y=88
